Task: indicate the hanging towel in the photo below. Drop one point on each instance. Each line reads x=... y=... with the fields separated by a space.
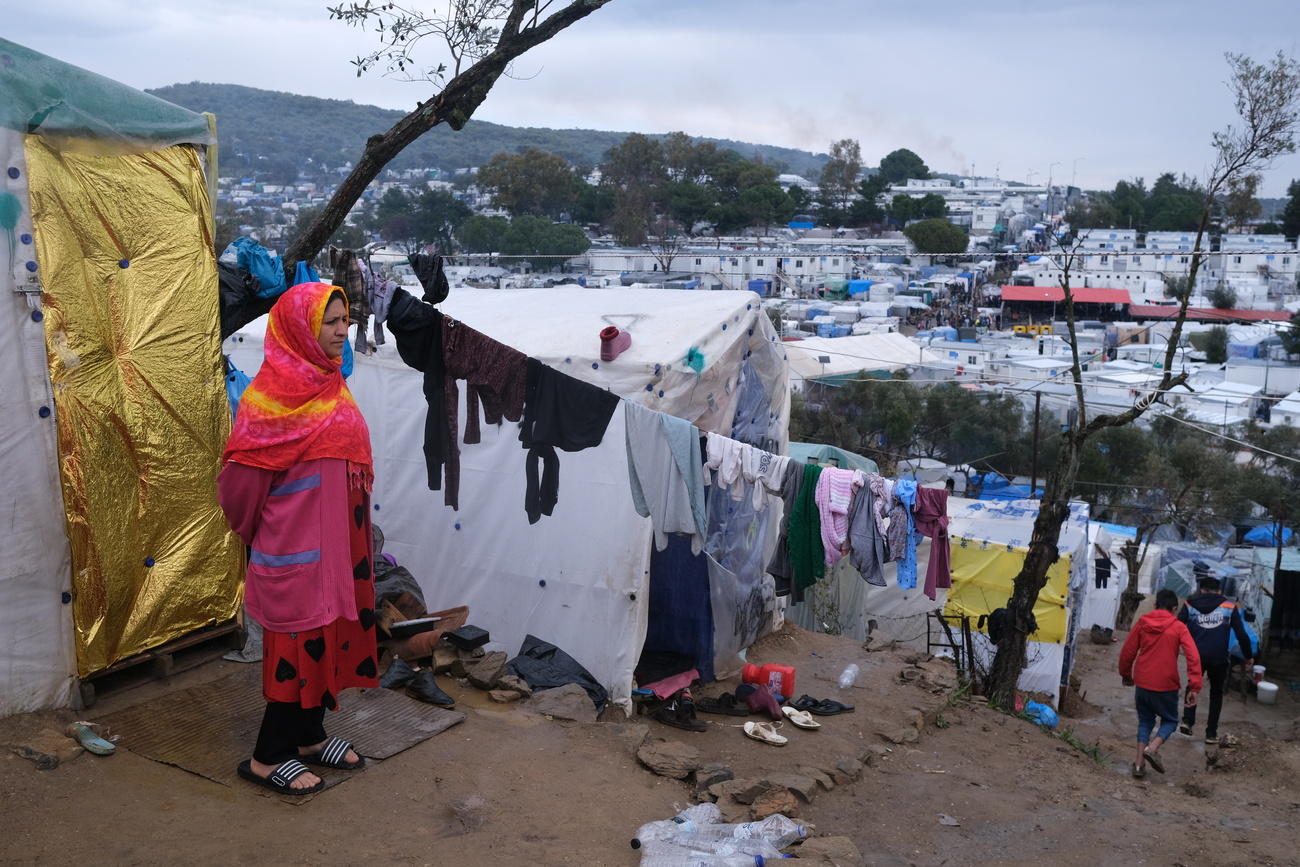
x=883 y=488
x=931 y=516
x=807 y=555
x=834 y=495
x=866 y=542
x=559 y=412
x=665 y=469
x=902 y=533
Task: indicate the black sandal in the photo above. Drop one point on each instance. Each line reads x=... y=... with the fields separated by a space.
x=680 y=713
x=331 y=756
x=723 y=704
x=279 y=780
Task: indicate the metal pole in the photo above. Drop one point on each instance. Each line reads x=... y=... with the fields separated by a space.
x=1033 y=473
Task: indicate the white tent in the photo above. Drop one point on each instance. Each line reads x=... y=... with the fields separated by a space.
x=846 y=356
x=578 y=578
x=1100 y=604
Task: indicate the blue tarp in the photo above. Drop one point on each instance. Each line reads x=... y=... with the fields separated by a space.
x=762 y=287
x=858 y=287
x=1118 y=529
x=1010 y=492
x=798 y=224
x=1265 y=536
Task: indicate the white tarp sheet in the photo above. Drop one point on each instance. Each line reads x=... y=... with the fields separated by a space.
x=849 y=355
x=37 y=662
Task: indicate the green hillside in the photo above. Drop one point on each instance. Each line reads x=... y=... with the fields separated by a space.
x=279 y=126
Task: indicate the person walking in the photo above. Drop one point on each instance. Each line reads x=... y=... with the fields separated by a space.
x=1211 y=618
x=295 y=487
x=1148 y=661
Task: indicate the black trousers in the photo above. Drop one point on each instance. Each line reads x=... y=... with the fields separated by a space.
x=285 y=727
x=1217 y=674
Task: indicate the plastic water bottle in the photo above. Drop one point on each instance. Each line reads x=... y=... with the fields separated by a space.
x=778 y=830
x=688 y=821
x=661 y=854
x=848 y=675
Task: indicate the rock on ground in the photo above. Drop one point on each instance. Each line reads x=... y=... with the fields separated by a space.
x=485 y=672
x=837 y=851
x=669 y=758
x=564 y=702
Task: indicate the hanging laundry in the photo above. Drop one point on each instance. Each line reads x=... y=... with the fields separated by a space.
x=883 y=488
x=428 y=268
x=495 y=377
x=725 y=460
x=418 y=329
x=902 y=533
x=866 y=542
x=931 y=515
x=834 y=495
x=807 y=554
x=665 y=469
x=348 y=276
x=779 y=567
x=766 y=472
x=559 y=412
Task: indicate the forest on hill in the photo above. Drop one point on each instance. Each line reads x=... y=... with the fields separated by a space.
x=254 y=123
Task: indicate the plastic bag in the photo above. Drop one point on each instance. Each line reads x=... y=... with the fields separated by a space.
x=236 y=382
x=1042 y=714
x=264 y=265
x=304 y=273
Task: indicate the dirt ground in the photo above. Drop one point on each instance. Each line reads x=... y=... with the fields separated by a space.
x=509 y=787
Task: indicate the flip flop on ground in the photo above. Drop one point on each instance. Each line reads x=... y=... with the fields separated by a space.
x=800 y=718
x=82 y=733
x=761 y=731
x=281 y=779
x=332 y=754
x=724 y=704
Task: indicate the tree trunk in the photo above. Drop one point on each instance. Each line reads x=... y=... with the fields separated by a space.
x=1052 y=514
x=1130 y=599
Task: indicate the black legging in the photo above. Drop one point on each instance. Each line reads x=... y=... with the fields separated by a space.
x=1217 y=674
x=285 y=727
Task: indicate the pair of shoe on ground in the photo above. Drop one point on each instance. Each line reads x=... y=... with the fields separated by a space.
x=1210 y=740
x=419 y=683
x=331 y=754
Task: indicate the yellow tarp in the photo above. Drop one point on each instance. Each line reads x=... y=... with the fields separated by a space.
x=124 y=247
x=982 y=575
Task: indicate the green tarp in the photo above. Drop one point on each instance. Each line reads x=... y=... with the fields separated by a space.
x=41 y=95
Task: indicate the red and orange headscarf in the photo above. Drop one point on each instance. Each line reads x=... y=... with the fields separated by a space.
x=298 y=408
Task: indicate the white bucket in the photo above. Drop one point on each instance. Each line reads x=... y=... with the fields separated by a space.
x=1267 y=692
x=1258 y=673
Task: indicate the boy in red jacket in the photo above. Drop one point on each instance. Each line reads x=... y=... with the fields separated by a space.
x=1149 y=659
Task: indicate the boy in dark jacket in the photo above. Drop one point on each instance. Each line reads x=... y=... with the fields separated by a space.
x=1149 y=661
x=1210 y=618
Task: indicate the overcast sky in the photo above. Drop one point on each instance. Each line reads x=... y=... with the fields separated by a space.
x=1110 y=89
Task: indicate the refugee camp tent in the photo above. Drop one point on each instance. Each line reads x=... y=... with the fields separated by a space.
x=1100 y=604
x=112 y=411
x=580 y=577
x=841 y=359
x=1269 y=593
x=989 y=542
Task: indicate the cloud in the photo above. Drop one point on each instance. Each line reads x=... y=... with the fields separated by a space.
x=1131 y=88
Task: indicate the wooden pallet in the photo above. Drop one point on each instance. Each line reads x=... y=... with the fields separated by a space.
x=158 y=663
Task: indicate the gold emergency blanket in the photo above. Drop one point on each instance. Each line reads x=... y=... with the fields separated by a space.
x=124 y=248
x=982 y=577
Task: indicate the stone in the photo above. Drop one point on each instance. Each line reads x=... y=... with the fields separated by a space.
x=776 y=799
x=711 y=774
x=464 y=659
x=516 y=683
x=503 y=696
x=444 y=658
x=823 y=779
x=732 y=810
x=908 y=735
x=669 y=758
x=804 y=787
x=564 y=702
x=908 y=675
x=484 y=672
x=848 y=769
x=836 y=851
x=872 y=753
x=743 y=791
